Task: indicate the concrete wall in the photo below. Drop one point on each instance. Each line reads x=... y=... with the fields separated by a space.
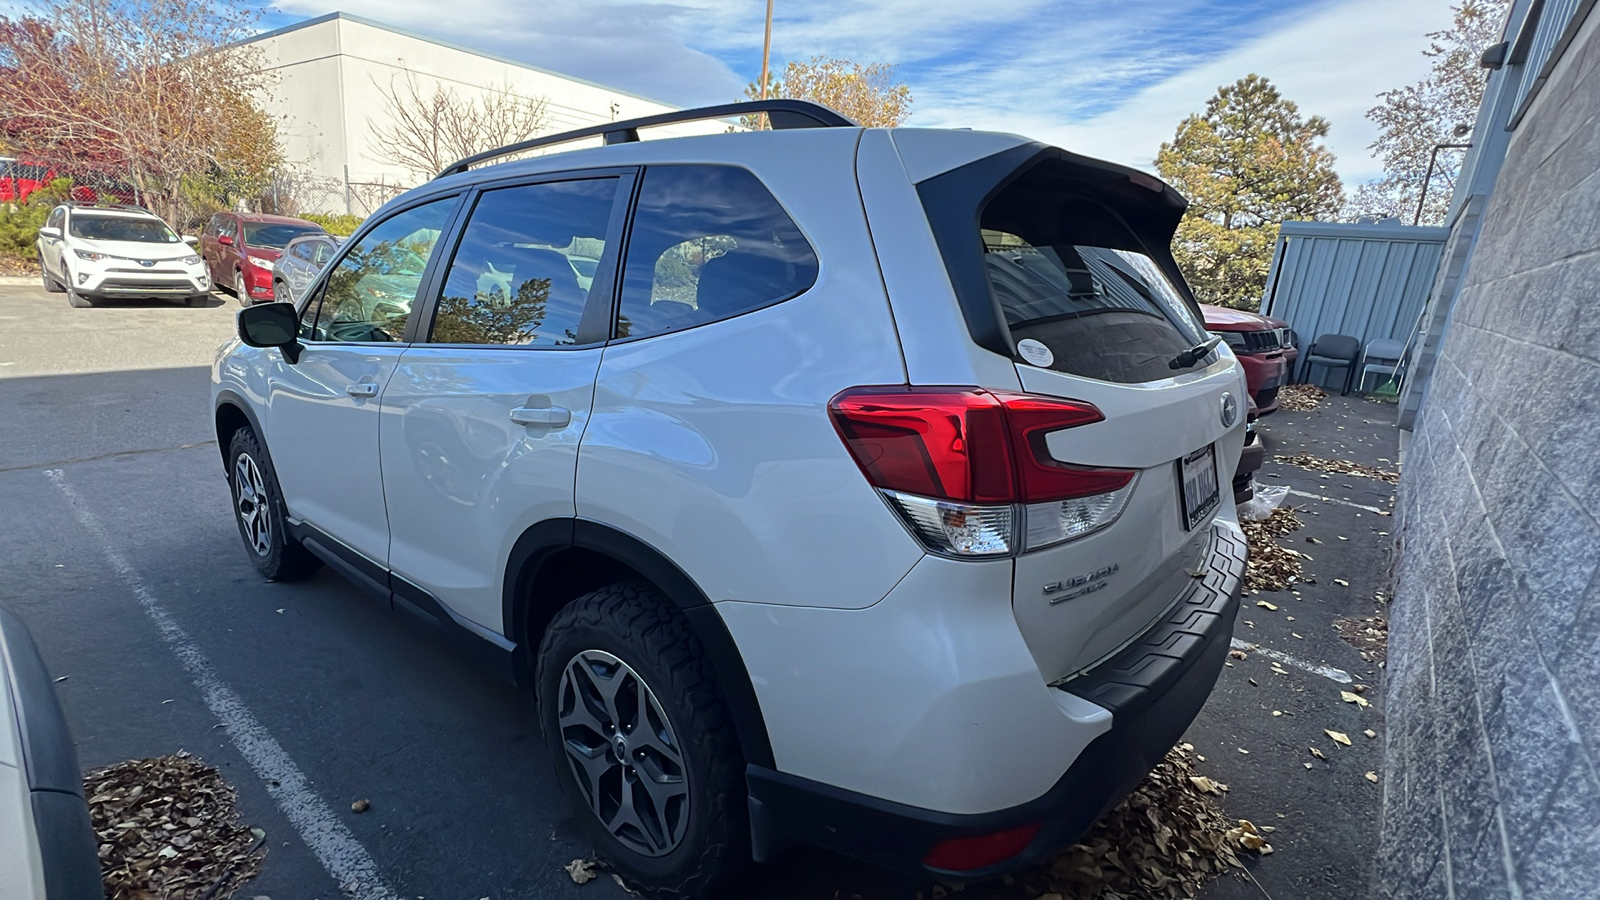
x=329 y=74
x=1493 y=744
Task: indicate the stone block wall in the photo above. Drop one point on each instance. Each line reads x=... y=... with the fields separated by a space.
x=1492 y=784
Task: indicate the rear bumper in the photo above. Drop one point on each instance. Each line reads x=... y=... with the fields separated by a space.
x=1153 y=689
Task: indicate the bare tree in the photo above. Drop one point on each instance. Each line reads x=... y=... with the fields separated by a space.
x=1439 y=109
x=425 y=132
x=153 y=90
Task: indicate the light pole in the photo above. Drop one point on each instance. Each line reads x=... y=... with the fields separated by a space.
x=1432 y=159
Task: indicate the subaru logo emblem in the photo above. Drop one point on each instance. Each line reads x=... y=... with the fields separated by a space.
x=1230 y=410
x=147 y=263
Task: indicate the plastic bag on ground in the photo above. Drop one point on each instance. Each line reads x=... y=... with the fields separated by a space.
x=1267 y=499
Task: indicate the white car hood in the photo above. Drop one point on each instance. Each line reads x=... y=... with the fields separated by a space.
x=137 y=249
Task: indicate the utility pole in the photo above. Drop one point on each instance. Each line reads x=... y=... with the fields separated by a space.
x=766 y=51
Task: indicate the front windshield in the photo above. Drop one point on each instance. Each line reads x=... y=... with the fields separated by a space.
x=274 y=234
x=136 y=229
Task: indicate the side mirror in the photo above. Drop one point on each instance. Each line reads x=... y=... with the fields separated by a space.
x=272 y=325
x=225 y=240
x=52 y=233
x=191 y=239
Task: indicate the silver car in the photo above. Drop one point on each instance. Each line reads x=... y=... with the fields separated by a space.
x=302 y=259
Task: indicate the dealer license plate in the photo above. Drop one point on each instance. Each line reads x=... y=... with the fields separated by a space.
x=1198 y=486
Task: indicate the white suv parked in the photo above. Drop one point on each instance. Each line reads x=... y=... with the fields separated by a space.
x=850 y=486
x=96 y=251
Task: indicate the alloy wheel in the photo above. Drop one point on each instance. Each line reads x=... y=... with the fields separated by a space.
x=623 y=752
x=250 y=499
x=280 y=292
x=239 y=288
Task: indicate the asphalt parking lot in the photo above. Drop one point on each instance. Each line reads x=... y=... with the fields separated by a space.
x=118 y=549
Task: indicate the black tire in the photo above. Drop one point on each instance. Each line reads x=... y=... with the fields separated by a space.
x=50 y=284
x=280 y=292
x=77 y=300
x=239 y=290
x=276 y=555
x=635 y=624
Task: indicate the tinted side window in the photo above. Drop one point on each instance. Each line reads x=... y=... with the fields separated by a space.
x=522 y=272
x=368 y=295
x=708 y=242
x=304 y=249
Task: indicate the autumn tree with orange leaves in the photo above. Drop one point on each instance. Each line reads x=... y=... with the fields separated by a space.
x=148 y=91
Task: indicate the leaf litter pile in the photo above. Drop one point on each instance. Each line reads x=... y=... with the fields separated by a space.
x=168 y=828
x=1273 y=567
x=1300 y=397
x=1339 y=467
x=1164 y=842
x=1368 y=634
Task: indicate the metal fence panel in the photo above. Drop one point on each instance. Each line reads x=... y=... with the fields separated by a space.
x=1369 y=281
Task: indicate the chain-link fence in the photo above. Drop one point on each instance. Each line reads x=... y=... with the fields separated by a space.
x=297 y=193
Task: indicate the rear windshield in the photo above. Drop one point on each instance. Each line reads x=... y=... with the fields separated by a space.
x=1102 y=312
x=1078 y=287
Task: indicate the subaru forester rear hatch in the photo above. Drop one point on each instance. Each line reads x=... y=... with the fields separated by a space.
x=1062 y=264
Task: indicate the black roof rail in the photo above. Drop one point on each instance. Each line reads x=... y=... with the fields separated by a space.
x=104 y=204
x=780 y=113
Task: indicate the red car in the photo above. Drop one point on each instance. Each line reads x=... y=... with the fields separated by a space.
x=1257 y=343
x=239 y=249
x=1288 y=340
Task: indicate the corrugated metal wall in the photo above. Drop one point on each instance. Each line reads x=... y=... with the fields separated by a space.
x=1369 y=281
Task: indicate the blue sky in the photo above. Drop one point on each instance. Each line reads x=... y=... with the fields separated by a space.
x=1106 y=77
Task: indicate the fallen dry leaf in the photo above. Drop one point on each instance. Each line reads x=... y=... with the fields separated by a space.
x=1372 y=777
x=1248 y=837
x=1272 y=566
x=1317 y=753
x=1162 y=843
x=361 y=806
x=1357 y=699
x=581 y=870
x=1338 y=736
x=1265 y=605
x=1370 y=733
x=1339 y=467
x=1238 y=654
x=1206 y=785
x=168 y=827
x=1300 y=397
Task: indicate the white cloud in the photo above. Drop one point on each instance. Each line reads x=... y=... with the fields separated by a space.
x=1333 y=63
x=1109 y=78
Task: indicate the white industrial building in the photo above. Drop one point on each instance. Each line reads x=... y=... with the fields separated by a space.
x=328 y=78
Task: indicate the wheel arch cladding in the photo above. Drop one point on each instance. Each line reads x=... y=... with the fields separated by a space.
x=232 y=414
x=556 y=561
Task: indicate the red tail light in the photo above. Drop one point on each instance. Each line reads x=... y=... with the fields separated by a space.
x=967 y=444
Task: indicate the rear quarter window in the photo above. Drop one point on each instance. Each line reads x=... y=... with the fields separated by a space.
x=708 y=243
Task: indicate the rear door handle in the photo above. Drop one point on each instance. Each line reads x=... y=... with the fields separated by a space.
x=361 y=389
x=549 y=416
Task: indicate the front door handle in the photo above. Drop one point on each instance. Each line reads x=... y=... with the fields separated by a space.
x=361 y=389
x=549 y=416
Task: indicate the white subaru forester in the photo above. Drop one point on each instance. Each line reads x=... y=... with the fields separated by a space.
x=842 y=485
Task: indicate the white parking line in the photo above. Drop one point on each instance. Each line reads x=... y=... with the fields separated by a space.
x=1371 y=509
x=1329 y=672
x=335 y=847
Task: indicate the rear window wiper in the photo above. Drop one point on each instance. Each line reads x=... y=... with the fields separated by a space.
x=1194 y=354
